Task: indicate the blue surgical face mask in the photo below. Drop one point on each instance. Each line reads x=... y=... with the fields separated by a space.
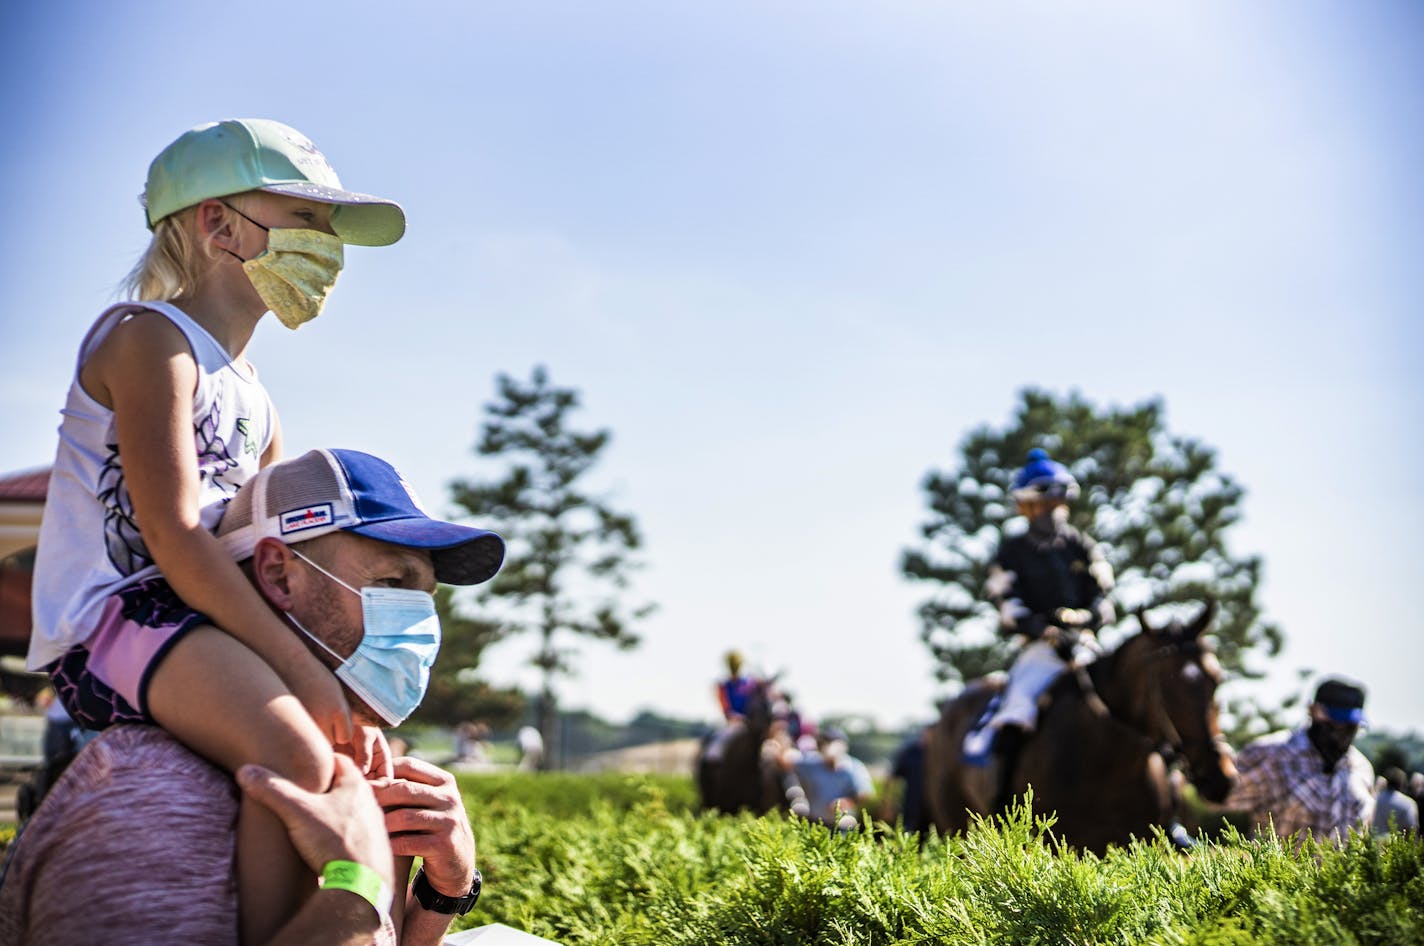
x=390 y=668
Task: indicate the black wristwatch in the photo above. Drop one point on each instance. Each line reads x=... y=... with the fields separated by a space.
x=436 y=902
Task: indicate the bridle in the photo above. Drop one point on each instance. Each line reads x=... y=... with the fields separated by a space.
x=1168 y=739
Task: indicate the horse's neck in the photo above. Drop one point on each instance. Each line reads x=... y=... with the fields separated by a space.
x=1115 y=683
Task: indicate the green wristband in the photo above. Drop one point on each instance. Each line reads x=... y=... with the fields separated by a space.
x=360 y=880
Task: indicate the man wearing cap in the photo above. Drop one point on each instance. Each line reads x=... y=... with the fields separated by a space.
x=135 y=842
x=1311 y=779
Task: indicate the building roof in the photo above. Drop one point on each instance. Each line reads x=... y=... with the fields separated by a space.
x=24 y=486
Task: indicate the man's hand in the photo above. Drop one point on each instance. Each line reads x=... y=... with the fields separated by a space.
x=425 y=818
x=343 y=823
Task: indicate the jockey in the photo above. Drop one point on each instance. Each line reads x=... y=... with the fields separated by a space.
x=733 y=693
x=1051 y=587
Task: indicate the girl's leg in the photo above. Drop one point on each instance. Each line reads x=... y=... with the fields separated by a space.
x=224 y=702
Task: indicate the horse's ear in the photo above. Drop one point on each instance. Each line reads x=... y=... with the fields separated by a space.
x=1204 y=619
x=1142 y=619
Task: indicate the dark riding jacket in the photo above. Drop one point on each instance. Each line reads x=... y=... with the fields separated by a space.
x=1061 y=569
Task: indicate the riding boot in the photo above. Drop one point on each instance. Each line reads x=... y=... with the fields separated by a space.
x=1007 y=742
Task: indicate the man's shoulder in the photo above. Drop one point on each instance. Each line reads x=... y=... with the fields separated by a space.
x=144 y=828
x=131 y=758
x=1360 y=765
x=1271 y=744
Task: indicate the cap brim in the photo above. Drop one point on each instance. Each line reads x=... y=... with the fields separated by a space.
x=1351 y=715
x=463 y=555
x=360 y=219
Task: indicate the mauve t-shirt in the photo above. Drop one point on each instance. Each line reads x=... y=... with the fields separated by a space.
x=133 y=845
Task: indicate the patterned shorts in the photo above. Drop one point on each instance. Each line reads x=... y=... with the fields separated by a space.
x=105 y=680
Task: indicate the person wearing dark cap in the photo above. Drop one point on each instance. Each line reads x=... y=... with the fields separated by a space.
x=1311 y=779
x=139 y=830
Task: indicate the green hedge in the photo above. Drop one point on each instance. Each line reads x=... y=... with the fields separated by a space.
x=621 y=861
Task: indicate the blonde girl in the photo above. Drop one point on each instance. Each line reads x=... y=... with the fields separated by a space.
x=139 y=614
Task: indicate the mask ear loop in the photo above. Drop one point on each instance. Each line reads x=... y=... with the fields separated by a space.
x=255 y=224
x=293 y=550
x=312 y=637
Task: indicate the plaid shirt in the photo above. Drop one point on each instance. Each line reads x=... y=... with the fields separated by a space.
x=1283 y=782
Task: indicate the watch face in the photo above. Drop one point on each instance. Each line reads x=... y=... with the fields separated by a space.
x=476 y=887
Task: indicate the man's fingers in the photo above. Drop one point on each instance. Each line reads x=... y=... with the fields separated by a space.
x=283 y=797
x=418 y=770
x=398 y=793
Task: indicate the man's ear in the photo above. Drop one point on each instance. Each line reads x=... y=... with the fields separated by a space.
x=272 y=564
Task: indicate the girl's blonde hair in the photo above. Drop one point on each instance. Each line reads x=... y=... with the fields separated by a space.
x=174 y=261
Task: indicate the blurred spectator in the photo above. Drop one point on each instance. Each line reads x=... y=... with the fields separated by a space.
x=1310 y=779
x=470 y=742
x=908 y=768
x=833 y=783
x=1394 y=809
x=531 y=749
x=787 y=717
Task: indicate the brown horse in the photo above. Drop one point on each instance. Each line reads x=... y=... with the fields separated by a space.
x=742 y=779
x=1100 y=756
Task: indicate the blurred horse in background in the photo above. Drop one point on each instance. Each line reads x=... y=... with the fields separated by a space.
x=741 y=778
x=1101 y=755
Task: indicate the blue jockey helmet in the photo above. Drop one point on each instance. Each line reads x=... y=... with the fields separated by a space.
x=1043 y=478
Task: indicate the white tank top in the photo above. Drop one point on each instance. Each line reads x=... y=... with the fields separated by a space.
x=89 y=544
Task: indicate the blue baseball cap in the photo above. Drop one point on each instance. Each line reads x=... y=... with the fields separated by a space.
x=325 y=491
x=1042 y=477
x=1342 y=700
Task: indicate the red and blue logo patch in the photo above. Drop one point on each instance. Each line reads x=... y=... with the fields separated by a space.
x=308 y=517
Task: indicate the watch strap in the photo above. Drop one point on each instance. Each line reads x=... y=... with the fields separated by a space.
x=437 y=902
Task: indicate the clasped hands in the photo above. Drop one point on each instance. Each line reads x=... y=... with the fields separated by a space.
x=399 y=808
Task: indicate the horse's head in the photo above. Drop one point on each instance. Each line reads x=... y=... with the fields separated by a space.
x=758 y=706
x=1179 y=673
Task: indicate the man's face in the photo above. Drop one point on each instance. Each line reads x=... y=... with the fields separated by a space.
x=332 y=612
x=1043 y=510
x=1332 y=738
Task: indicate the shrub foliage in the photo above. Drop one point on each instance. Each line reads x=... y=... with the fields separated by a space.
x=629 y=863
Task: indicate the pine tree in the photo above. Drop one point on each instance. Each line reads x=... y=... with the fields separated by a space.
x=567 y=562
x=1157 y=502
x=456 y=693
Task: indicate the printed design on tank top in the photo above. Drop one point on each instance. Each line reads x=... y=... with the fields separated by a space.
x=216 y=465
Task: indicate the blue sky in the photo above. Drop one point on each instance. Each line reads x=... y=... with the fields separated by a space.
x=791 y=254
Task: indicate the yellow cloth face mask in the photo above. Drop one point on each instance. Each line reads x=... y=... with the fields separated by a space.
x=296 y=273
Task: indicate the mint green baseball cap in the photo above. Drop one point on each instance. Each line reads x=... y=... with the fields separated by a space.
x=244 y=154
